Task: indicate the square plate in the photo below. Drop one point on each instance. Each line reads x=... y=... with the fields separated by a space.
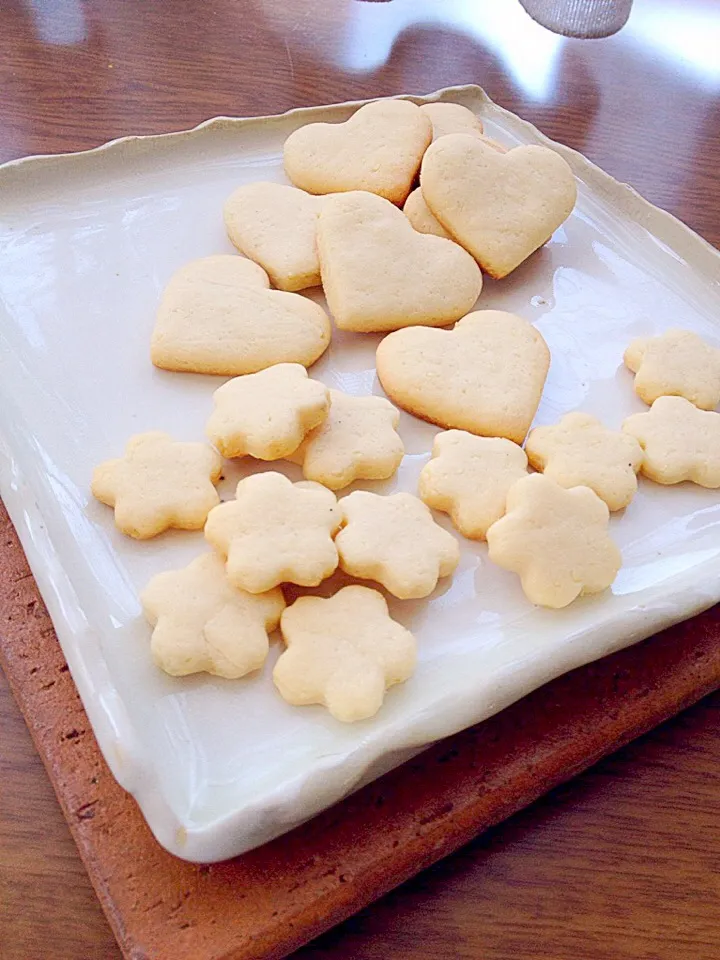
x=87 y=242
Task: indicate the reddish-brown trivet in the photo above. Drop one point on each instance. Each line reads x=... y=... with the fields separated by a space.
x=272 y=900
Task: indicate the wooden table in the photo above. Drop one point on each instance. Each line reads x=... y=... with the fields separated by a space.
x=622 y=862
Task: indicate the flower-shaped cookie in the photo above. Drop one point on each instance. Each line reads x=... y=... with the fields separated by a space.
x=203 y=623
x=679 y=442
x=343 y=652
x=394 y=540
x=268 y=414
x=469 y=478
x=159 y=483
x=580 y=451
x=276 y=532
x=358 y=441
x=678 y=364
x=556 y=540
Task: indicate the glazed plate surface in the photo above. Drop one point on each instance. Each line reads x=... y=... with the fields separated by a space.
x=87 y=243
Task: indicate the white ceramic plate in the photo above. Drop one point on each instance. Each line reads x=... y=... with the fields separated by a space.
x=87 y=242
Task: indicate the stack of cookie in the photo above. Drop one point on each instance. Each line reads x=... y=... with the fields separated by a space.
x=402 y=272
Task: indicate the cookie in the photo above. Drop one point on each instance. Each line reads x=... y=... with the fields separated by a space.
x=267 y=415
x=343 y=653
x=485 y=376
x=679 y=442
x=276 y=532
x=678 y=364
x=378 y=149
x=580 y=451
x=451 y=118
x=395 y=541
x=217 y=315
x=469 y=477
x=159 y=483
x=380 y=274
x=202 y=624
x=556 y=540
x=501 y=207
x=420 y=216
x=497 y=147
x=274 y=225
x=357 y=441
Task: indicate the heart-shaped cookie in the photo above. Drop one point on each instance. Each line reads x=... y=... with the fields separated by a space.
x=380 y=274
x=486 y=375
x=217 y=315
x=500 y=206
x=451 y=118
x=274 y=225
x=378 y=149
x=421 y=217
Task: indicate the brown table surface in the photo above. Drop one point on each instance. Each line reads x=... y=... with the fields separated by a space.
x=623 y=861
